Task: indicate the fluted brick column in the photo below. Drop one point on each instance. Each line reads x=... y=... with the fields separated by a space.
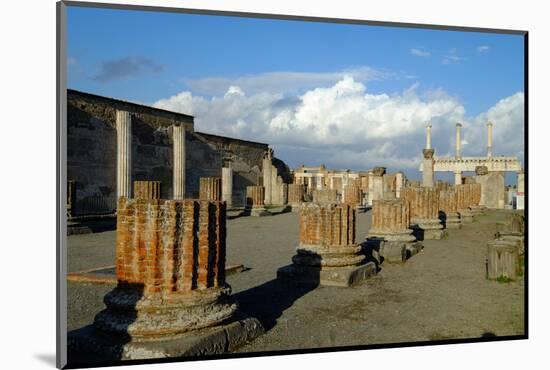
x=296 y=194
x=475 y=199
x=210 y=188
x=463 y=202
x=255 y=205
x=428 y=168
x=390 y=235
x=353 y=195
x=124 y=153
x=424 y=203
x=447 y=209
x=170 y=266
x=147 y=189
x=171 y=299
x=328 y=253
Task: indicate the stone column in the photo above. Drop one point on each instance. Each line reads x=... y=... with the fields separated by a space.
x=458 y=142
x=399 y=184
x=424 y=203
x=328 y=253
x=428 y=168
x=377 y=181
x=489 y=139
x=172 y=287
x=227 y=186
x=210 y=188
x=296 y=194
x=447 y=210
x=178 y=176
x=390 y=235
x=124 y=153
x=267 y=169
x=520 y=194
x=458 y=177
x=255 y=205
x=475 y=199
x=147 y=189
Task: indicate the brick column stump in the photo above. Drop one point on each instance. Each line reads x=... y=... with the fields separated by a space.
x=327 y=253
x=210 y=188
x=424 y=206
x=147 y=189
x=296 y=194
x=475 y=198
x=447 y=210
x=255 y=206
x=390 y=236
x=171 y=299
x=463 y=203
x=354 y=196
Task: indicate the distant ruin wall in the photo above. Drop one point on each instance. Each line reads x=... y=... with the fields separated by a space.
x=92 y=152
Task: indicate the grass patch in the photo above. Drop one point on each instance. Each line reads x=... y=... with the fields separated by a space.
x=503 y=279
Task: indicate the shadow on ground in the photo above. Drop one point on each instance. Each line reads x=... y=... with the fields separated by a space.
x=268 y=301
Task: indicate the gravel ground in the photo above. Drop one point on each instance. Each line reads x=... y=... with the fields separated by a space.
x=440 y=293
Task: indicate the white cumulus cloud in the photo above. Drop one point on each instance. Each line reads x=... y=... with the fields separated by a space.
x=345 y=126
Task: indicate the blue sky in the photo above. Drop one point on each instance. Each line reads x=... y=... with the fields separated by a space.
x=154 y=58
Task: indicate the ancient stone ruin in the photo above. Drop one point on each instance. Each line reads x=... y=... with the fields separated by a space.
x=390 y=235
x=328 y=253
x=424 y=205
x=447 y=209
x=354 y=196
x=255 y=206
x=171 y=298
x=502 y=260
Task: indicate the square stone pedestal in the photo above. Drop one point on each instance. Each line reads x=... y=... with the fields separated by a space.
x=87 y=345
x=340 y=277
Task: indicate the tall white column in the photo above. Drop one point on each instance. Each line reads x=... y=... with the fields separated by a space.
x=227 y=186
x=489 y=140
x=124 y=153
x=458 y=142
x=429 y=136
x=267 y=178
x=178 y=175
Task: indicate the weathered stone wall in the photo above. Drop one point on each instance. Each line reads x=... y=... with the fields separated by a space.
x=327 y=225
x=170 y=246
x=492 y=189
x=468 y=195
x=147 y=189
x=325 y=196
